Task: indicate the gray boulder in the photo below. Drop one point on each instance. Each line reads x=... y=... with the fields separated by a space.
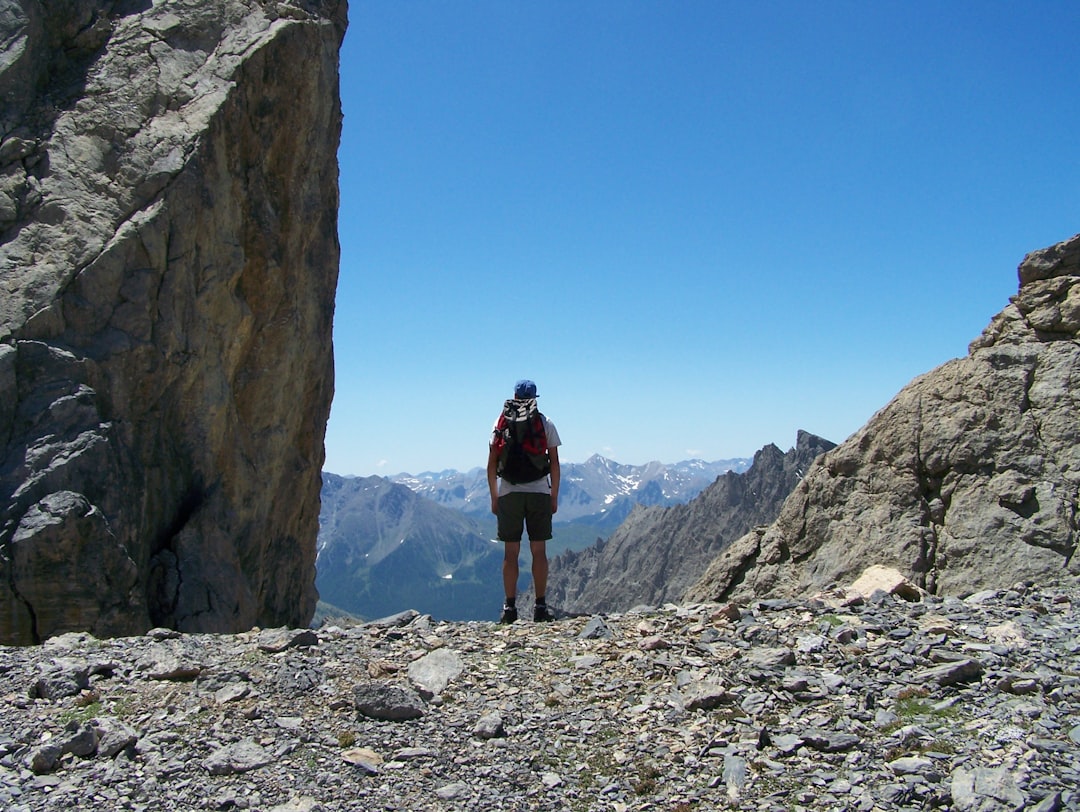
x=168 y=260
x=967 y=480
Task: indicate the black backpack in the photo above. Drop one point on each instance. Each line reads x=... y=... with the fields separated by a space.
x=521 y=440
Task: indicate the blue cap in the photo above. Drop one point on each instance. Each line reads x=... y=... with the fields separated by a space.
x=524 y=389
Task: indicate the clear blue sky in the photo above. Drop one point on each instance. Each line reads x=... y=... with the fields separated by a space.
x=698 y=226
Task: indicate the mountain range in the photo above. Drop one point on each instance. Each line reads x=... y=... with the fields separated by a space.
x=657 y=553
x=599 y=490
x=166 y=371
x=424 y=542
x=383 y=549
x=965 y=480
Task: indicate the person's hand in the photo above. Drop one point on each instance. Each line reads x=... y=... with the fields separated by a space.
x=554 y=505
x=495 y=505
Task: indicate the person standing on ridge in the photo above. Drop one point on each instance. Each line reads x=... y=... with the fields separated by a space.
x=523 y=479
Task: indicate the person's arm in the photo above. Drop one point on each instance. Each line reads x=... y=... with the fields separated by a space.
x=492 y=478
x=553 y=456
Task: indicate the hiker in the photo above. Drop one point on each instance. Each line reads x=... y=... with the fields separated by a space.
x=523 y=478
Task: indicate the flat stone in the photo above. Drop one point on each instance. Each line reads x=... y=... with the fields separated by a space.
x=435 y=670
x=963 y=670
x=984 y=789
x=770 y=657
x=278 y=640
x=240 y=757
x=364 y=758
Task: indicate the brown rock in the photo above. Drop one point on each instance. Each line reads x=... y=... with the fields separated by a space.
x=967 y=480
x=168 y=206
x=884 y=579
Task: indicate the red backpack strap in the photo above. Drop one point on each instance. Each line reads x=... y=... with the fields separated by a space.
x=500 y=433
x=536 y=443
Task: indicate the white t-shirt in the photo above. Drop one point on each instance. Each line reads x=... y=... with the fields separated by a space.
x=541 y=485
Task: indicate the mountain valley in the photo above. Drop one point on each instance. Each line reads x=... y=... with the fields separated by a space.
x=425 y=542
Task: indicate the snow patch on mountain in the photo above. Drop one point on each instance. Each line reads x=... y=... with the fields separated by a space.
x=599 y=488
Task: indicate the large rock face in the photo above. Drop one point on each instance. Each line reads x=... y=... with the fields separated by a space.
x=657 y=553
x=168 y=260
x=967 y=480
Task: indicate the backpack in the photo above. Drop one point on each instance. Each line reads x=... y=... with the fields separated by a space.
x=521 y=440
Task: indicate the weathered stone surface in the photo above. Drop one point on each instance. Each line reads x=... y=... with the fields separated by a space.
x=985 y=790
x=659 y=552
x=237 y=758
x=365 y=758
x=168 y=259
x=968 y=479
x=489 y=726
x=544 y=718
x=434 y=671
x=877 y=578
x=388 y=702
x=278 y=640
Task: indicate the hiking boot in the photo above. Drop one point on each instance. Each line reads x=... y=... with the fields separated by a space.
x=509 y=614
x=541 y=614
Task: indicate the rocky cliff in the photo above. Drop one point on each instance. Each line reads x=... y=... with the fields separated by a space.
x=967 y=480
x=168 y=259
x=659 y=552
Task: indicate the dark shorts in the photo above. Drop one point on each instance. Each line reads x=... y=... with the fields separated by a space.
x=518 y=511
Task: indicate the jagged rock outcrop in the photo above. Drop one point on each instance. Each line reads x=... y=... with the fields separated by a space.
x=967 y=480
x=657 y=553
x=168 y=259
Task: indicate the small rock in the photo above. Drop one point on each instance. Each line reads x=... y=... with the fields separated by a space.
x=911 y=765
x=877 y=578
x=435 y=670
x=787 y=743
x=395 y=621
x=60 y=678
x=596 y=629
x=964 y=670
x=489 y=726
x=705 y=696
x=237 y=758
x=984 y=789
x=231 y=693
x=114 y=736
x=454 y=792
x=364 y=758
x=83 y=740
x=830 y=741
x=774 y=657
x=274 y=641
x=388 y=702
x=654 y=643
x=45 y=758
x=412 y=753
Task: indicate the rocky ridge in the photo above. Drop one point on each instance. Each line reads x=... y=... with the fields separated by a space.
x=658 y=553
x=168 y=261
x=969 y=479
x=860 y=700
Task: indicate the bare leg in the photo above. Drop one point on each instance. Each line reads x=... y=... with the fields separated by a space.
x=539 y=567
x=511 y=550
